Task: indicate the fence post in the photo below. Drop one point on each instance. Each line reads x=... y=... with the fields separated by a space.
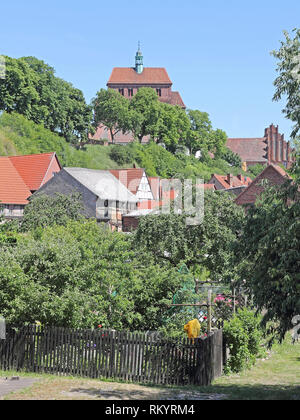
x=209 y=315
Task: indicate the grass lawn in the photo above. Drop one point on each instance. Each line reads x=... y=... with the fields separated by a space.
x=276 y=378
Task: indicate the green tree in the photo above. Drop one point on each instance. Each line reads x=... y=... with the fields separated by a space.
x=287 y=84
x=145 y=114
x=209 y=245
x=80 y=275
x=269 y=255
x=111 y=110
x=32 y=89
x=44 y=210
x=173 y=126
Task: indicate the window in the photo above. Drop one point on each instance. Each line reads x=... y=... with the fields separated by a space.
x=121 y=91
x=158 y=91
x=130 y=92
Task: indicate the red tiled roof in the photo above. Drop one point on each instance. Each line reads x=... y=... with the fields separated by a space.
x=237 y=181
x=149 y=76
x=155 y=186
x=33 y=168
x=250 y=193
x=131 y=178
x=249 y=149
x=173 y=98
x=13 y=189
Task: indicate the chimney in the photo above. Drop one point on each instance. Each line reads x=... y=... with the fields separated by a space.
x=230 y=179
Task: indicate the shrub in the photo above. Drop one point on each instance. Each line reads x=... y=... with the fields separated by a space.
x=243 y=336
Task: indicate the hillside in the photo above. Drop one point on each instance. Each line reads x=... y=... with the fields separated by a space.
x=20 y=136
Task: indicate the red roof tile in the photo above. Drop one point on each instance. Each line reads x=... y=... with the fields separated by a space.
x=155 y=186
x=237 y=181
x=249 y=149
x=249 y=195
x=13 y=189
x=131 y=178
x=33 y=168
x=173 y=98
x=149 y=76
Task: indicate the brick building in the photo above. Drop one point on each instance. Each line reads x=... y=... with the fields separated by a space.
x=127 y=81
x=272 y=148
x=273 y=173
x=20 y=177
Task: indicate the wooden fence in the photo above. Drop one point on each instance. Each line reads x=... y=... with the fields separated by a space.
x=141 y=358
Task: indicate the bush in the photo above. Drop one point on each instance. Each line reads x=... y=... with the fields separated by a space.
x=123 y=155
x=243 y=336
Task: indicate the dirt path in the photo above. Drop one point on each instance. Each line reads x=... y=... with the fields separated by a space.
x=58 y=388
x=13 y=385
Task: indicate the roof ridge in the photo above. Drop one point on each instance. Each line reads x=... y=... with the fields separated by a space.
x=259 y=175
x=32 y=154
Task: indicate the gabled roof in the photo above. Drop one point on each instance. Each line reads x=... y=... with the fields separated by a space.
x=254 y=189
x=149 y=76
x=155 y=186
x=237 y=181
x=249 y=149
x=131 y=178
x=13 y=189
x=173 y=98
x=33 y=168
x=102 y=183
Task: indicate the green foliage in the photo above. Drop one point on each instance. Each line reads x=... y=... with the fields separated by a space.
x=269 y=255
x=244 y=337
x=18 y=136
x=31 y=88
x=210 y=244
x=111 y=110
x=45 y=210
x=288 y=82
x=121 y=154
x=232 y=158
x=81 y=275
x=255 y=170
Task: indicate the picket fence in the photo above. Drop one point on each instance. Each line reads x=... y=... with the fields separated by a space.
x=136 y=357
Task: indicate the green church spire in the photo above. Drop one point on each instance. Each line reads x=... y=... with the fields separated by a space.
x=139 y=66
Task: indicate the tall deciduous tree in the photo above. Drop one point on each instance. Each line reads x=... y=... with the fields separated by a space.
x=288 y=82
x=111 y=110
x=270 y=255
x=31 y=88
x=210 y=244
x=145 y=114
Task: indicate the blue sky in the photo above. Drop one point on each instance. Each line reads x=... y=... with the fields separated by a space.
x=217 y=52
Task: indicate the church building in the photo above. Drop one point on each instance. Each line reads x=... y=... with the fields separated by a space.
x=128 y=80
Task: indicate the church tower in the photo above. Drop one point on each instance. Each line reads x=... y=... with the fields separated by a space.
x=139 y=66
